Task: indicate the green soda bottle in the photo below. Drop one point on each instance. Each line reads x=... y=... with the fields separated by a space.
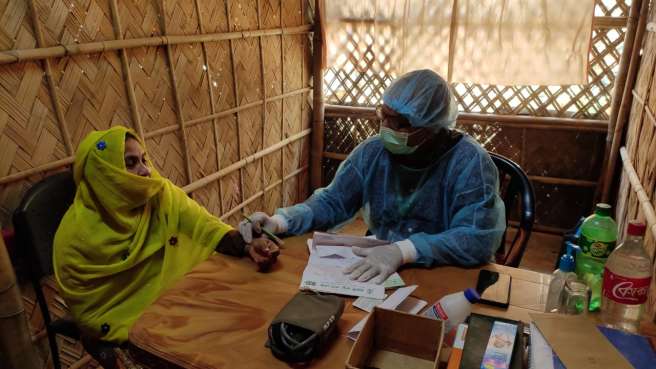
x=597 y=241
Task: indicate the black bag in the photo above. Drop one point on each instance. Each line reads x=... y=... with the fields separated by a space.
x=304 y=326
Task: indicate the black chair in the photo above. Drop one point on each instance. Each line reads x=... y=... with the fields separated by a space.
x=35 y=222
x=514 y=186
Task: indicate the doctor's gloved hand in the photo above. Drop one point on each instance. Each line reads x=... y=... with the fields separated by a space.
x=379 y=262
x=259 y=221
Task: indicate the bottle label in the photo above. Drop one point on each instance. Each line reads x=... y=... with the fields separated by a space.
x=598 y=249
x=439 y=312
x=630 y=291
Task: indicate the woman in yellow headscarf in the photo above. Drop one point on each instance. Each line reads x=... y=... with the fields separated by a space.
x=130 y=234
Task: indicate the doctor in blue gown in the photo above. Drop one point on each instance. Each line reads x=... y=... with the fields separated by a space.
x=428 y=189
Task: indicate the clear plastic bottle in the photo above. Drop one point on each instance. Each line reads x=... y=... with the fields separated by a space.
x=597 y=241
x=564 y=273
x=453 y=309
x=627 y=276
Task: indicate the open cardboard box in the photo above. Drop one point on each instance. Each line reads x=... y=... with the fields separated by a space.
x=393 y=339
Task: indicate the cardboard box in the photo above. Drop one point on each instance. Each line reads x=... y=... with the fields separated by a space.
x=393 y=339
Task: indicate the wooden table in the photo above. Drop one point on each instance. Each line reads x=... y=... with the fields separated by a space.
x=217 y=316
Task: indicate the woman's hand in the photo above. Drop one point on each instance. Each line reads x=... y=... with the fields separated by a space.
x=264 y=252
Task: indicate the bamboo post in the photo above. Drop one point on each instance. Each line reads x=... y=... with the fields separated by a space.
x=16 y=348
x=129 y=85
x=60 y=51
x=620 y=99
x=245 y=161
x=235 y=90
x=264 y=98
x=636 y=185
x=215 y=123
x=47 y=66
x=282 y=111
x=176 y=95
x=317 y=99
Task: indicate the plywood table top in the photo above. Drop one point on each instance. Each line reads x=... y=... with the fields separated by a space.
x=217 y=316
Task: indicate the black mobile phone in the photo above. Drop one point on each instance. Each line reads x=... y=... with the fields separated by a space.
x=494 y=288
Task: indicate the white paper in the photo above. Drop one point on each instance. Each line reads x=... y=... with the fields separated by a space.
x=367 y=304
x=335 y=251
x=411 y=305
x=541 y=354
x=329 y=239
x=390 y=303
x=324 y=272
x=325 y=278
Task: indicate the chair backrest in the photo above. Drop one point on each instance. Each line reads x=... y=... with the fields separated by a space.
x=514 y=185
x=37 y=218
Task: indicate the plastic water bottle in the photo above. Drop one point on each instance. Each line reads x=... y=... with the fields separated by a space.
x=597 y=241
x=453 y=309
x=564 y=273
x=627 y=276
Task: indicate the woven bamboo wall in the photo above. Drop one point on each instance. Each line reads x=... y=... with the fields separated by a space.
x=220 y=90
x=636 y=196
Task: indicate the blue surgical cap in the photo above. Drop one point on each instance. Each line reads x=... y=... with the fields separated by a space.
x=423 y=98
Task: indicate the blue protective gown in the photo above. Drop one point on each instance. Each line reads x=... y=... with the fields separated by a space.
x=453 y=216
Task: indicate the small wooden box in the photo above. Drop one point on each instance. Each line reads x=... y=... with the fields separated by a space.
x=393 y=339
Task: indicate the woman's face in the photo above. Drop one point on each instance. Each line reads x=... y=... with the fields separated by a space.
x=135 y=158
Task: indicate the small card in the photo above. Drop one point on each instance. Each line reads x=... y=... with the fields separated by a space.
x=367 y=304
x=500 y=346
x=390 y=303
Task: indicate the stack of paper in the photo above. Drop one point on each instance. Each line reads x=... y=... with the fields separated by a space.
x=329 y=255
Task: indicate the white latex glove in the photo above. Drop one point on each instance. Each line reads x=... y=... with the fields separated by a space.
x=379 y=262
x=274 y=224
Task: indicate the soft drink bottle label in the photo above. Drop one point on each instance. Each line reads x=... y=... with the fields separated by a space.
x=629 y=291
x=596 y=248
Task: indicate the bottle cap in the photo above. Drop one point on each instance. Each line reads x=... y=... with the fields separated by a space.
x=602 y=209
x=472 y=295
x=636 y=228
x=566 y=263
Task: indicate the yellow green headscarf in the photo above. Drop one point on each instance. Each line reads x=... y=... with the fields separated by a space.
x=126 y=238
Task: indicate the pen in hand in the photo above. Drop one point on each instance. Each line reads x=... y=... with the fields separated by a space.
x=270 y=235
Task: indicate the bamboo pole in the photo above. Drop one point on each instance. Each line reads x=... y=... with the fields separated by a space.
x=317 y=99
x=262 y=192
x=636 y=185
x=47 y=66
x=176 y=95
x=453 y=33
x=235 y=90
x=69 y=160
x=608 y=22
x=129 y=84
x=518 y=121
x=243 y=162
x=263 y=87
x=59 y=51
x=622 y=83
x=282 y=110
x=215 y=122
x=36 y=170
x=16 y=348
x=540 y=179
